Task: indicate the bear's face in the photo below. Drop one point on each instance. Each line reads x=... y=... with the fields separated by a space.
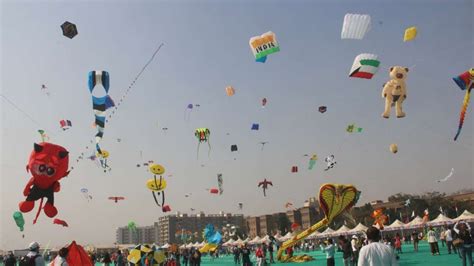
x=398 y=72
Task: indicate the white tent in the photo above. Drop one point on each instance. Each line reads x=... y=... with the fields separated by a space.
x=326 y=232
x=256 y=240
x=229 y=242
x=277 y=236
x=415 y=223
x=397 y=224
x=238 y=242
x=165 y=246
x=265 y=239
x=440 y=220
x=358 y=229
x=465 y=216
x=286 y=237
x=314 y=235
x=190 y=245
x=341 y=231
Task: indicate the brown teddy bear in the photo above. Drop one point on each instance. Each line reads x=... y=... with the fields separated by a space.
x=395 y=91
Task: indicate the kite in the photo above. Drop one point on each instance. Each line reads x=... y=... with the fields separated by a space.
x=322 y=109
x=45 y=89
x=241 y=205
x=85 y=193
x=166 y=208
x=233 y=148
x=203 y=134
x=119 y=140
x=101 y=101
x=60 y=222
x=330 y=161
x=157 y=186
x=77 y=255
x=43 y=135
x=20 y=222
x=164 y=129
x=465 y=81
x=187 y=111
x=230 y=90
x=48 y=164
x=69 y=29
x=312 y=161
x=365 y=66
x=288 y=205
x=255 y=126
x=352 y=128
x=264 y=102
x=407 y=202
x=220 y=183
x=264 y=45
x=132 y=226
x=380 y=218
x=65 y=124
x=264 y=184
x=393 y=148
x=102 y=156
x=116 y=199
x=142 y=253
x=294 y=169
x=447 y=177
x=410 y=34
x=355 y=26
x=263 y=144
x=214 y=191
x=212 y=238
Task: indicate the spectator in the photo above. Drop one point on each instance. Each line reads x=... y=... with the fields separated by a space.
x=246 y=256
x=398 y=244
x=346 y=249
x=376 y=253
x=106 y=260
x=449 y=240
x=61 y=258
x=355 y=249
x=442 y=236
x=270 y=251
x=415 y=239
x=259 y=255
x=33 y=257
x=119 y=260
x=10 y=259
x=433 y=241
x=329 y=250
x=465 y=242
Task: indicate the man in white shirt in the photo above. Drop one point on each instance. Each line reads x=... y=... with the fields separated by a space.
x=449 y=240
x=376 y=253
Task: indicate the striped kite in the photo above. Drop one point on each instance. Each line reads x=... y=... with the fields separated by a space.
x=465 y=81
x=203 y=134
x=365 y=66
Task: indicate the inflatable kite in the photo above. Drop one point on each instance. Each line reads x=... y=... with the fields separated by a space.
x=132 y=226
x=410 y=34
x=264 y=184
x=220 y=183
x=330 y=161
x=101 y=101
x=365 y=66
x=116 y=199
x=312 y=161
x=65 y=124
x=146 y=255
x=69 y=29
x=48 y=164
x=355 y=26
x=264 y=45
x=352 y=128
x=203 y=134
x=43 y=135
x=212 y=238
x=465 y=82
x=230 y=90
x=393 y=148
x=20 y=222
x=380 y=218
x=322 y=109
x=102 y=156
x=77 y=255
x=156 y=186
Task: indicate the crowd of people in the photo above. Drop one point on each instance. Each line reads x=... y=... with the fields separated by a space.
x=370 y=249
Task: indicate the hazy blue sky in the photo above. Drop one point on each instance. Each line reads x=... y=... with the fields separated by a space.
x=206 y=48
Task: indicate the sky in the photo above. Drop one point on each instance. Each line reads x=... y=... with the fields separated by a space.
x=206 y=49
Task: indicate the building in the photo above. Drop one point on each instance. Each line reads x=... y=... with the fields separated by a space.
x=309 y=216
x=294 y=216
x=171 y=226
x=142 y=235
x=464 y=197
x=253 y=226
x=267 y=224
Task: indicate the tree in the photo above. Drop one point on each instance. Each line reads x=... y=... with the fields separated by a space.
x=284 y=224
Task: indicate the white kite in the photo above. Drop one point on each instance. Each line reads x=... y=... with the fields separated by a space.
x=365 y=66
x=355 y=26
x=447 y=177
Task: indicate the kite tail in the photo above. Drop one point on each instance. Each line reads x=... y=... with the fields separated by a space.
x=39 y=210
x=209 y=151
x=197 y=154
x=463 y=112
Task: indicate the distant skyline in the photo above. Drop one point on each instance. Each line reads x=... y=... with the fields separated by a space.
x=206 y=49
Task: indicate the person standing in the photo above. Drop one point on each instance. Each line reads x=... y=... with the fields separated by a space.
x=433 y=241
x=346 y=249
x=355 y=249
x=415 y=239
x=449 y=240
x=9 y=260
x=465 y=243
x=119 y=259
x=61 y=258
x=33 y=257
x=329 y=250
x=270 y=251
x=236 y=251
x=259 y=255
x=398 y=244
x=246 y=256
x=185 y=256
x=442 y=236
x=376 y=253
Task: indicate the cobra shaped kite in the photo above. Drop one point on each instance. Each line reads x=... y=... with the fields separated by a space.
x=101 y=101
x=334 y=200
x=203 y=134
x=465 y=81
x=157 y=186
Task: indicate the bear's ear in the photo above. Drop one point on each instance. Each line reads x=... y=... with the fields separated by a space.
x=63 y=154
x=406 y=69
x=38 y=148
x=391 y=69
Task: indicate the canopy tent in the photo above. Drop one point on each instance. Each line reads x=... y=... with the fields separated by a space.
x=326 y=232
x=229 y=242
x=341 y=231
x=360 y=228
x=196 y=245
x=238 y=242
x=265 y=239
x=440 y=220
x=277 y=236
x=314 y=235
x=417 y=222
x=465 y=216
x=256 y=240
x=286 y=237
x=397 y=224
x=165 y=246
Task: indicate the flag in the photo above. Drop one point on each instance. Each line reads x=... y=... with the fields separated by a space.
x=364 y=66
x=441 y=209
x=412 y=214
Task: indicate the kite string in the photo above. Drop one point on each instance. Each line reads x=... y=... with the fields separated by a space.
x=127 y=91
